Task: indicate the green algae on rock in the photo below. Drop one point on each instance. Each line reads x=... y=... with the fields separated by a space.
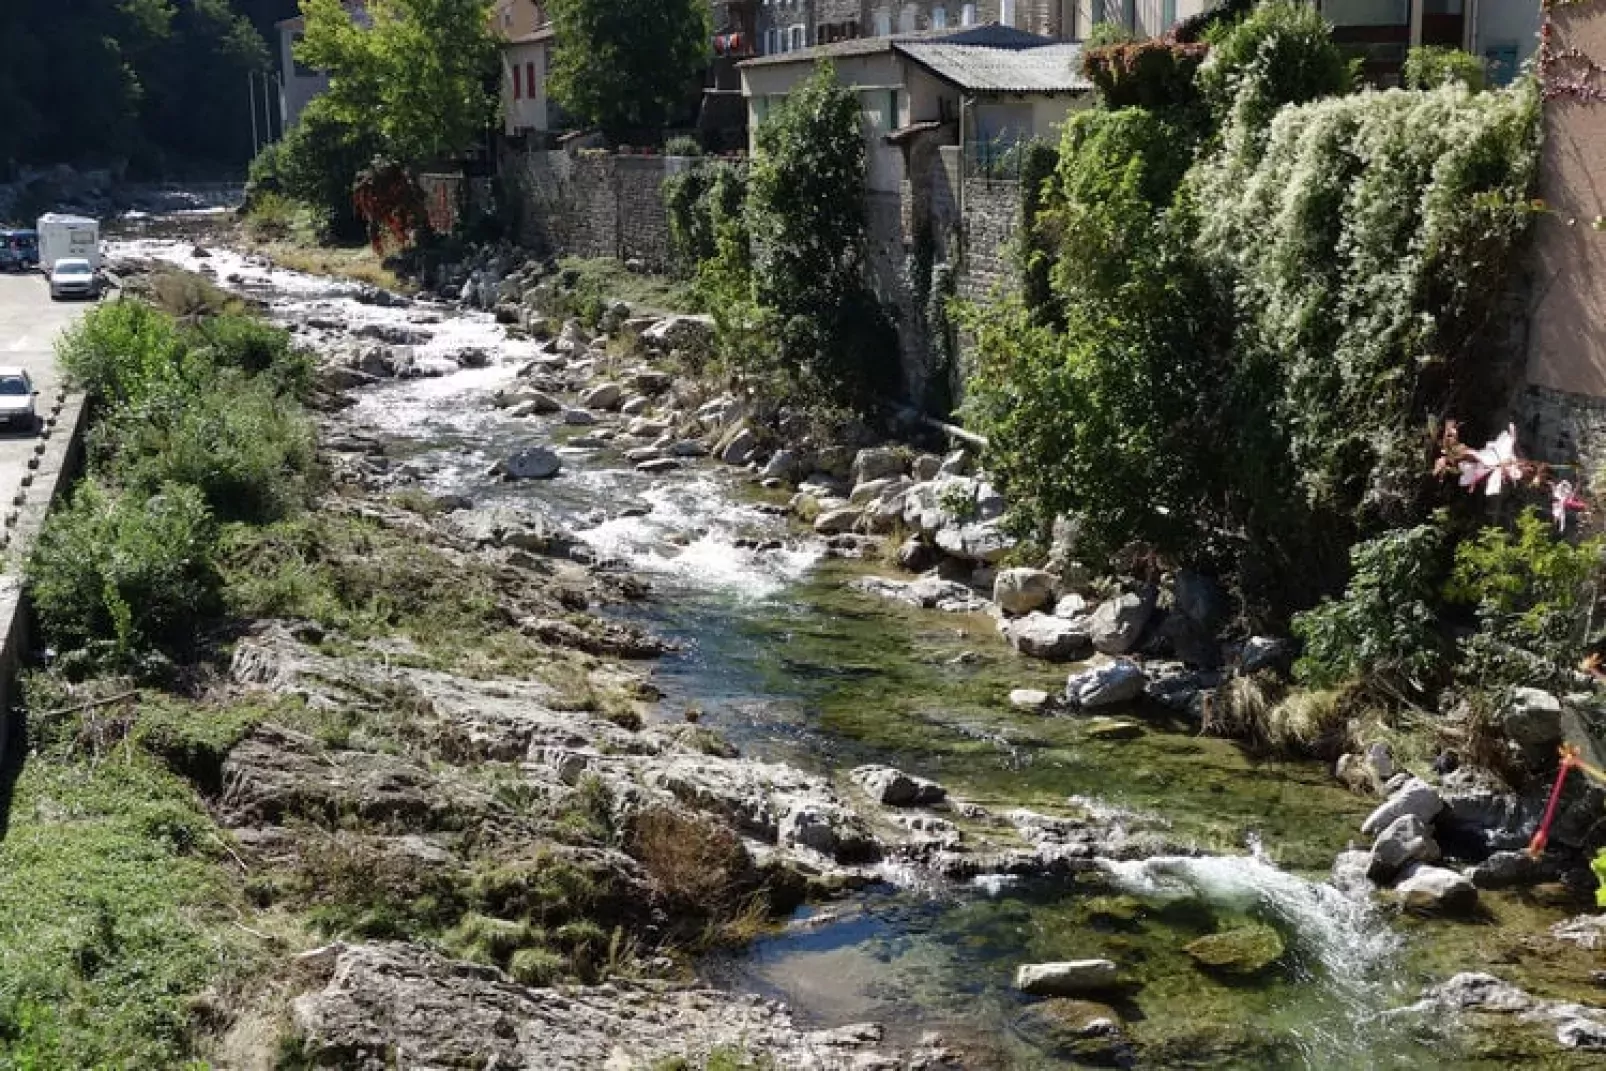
x=1244 y=951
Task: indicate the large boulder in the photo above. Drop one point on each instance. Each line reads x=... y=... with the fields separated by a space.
x=1436 y=890
x=878 y=463
x=985 y=543
x=827 y=828
x=1532 y=719
x=1406 y=840
x=738 y=446
x=894 y=788
x=1053 y=639
x=530 y=463
x=602 y=396
x=783 y=465
x=1020 y=591
x=1108 y=685
x=1483 y=812
x=501 y=526
x=1415 y=798
x=838 y=521
x=1067 y=979
x=1118 y=623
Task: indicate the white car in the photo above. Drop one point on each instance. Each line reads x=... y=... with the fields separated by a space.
x=17 y=394
x=73 y=278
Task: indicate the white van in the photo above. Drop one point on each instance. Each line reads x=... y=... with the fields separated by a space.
x=68 y=238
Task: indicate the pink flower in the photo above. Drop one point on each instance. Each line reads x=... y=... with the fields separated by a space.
x=1562 y=499
x=1497 y=463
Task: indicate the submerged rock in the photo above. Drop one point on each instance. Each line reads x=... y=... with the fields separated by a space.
x=930 y=593
x=894 y=788
x=1245 y=951
x=531 y=463
x=1080 y=1030
x=1112 y=729
x=1067 y=979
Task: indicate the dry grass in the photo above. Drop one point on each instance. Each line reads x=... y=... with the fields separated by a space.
x=693 y=861
x=359 y=264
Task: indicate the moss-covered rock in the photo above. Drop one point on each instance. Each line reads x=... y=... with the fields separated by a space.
x=1244 y=951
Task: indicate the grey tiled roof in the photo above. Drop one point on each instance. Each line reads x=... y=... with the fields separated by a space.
x=988 y=35
x=1055 y=68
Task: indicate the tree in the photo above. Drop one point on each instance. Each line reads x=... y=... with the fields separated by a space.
x=805 y=214
x=625 y=65
x=418 y=73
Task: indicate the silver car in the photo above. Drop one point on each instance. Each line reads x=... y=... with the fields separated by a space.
x=73 y=278
x=17 y=396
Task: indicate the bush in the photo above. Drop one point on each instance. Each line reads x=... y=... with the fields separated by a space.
x=1385 y=630
x=121 y=351
x=1433 y=66
x=1282 y=53
x=1098 y=403
x=256 y=348
x=1153 y=73
x=318 y=162
x=119 y=567
x=1532 y=591
x=246 y=448
x=1372 y=244
x=683 y=145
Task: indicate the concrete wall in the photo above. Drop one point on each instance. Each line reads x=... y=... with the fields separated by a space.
x=1565 y=404
x=590 y=204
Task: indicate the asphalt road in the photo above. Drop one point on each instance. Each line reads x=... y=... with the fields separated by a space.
x=29 y=324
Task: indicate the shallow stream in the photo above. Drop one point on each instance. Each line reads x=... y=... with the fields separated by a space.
x=792 y=666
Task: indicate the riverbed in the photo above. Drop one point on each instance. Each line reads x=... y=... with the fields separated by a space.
x=791 y=665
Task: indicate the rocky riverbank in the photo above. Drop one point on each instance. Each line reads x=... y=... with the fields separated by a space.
x=566 y=834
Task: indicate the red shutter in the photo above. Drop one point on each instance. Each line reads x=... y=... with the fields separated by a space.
x=517 y=87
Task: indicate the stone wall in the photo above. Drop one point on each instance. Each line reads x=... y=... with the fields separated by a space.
x=1564 y=406
x=992 y=215
x=592 y=204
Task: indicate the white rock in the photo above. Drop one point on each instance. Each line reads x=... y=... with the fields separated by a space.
x=531 y=463
x=1436 y=890
x=1105 y=686
x=1020 y=591
x=1416 y=797
x=1033 y=699
x=1053 y=639
x=1067 y=979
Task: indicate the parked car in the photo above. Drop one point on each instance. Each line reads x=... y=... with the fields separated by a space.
x=73 y=278
x=19 y=250
x=17 y=396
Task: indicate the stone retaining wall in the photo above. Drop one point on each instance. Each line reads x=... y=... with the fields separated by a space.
x=593 y=204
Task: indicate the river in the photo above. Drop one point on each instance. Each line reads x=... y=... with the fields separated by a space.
x=792 y=666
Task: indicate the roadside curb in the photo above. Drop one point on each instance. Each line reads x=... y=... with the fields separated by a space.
x=22 y=516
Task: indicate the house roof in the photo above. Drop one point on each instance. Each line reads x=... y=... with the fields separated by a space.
x=545 y=33
x=988 y=35
x=1053 y=68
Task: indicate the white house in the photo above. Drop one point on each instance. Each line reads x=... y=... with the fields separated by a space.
x=298 y=83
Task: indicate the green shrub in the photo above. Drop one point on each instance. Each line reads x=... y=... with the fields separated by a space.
x=1372 y=244
x=318 y=162
x=121 y=351
x=536 y=967
x=1099 y=403
x=245 y=448
x=1432 y=66
x=683 y=145
x=247 y=343
x=118 y=567
x=1385 y=630
x=1282 y=53
x=1532 y=592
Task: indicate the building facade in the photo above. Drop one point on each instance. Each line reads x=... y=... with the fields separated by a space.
x=1503 y=33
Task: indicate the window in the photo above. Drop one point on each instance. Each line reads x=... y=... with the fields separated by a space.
x=939 y=18
x=799 y=38
x=1006 y=12
x=883 y=23
x=967 y=15
x=1501 y=63
x=769 y=43
x=1168 y=15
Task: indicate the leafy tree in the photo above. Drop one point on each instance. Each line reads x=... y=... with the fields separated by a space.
x=1282 y=53
x=805 y=215
x=627 y=65
x=1432 y=66
x=417 y=74
x=317 y=164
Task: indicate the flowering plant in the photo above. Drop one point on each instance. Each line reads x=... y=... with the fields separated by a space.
x=1497 y=466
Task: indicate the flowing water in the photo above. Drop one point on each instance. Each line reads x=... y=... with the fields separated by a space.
x=792 y=666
